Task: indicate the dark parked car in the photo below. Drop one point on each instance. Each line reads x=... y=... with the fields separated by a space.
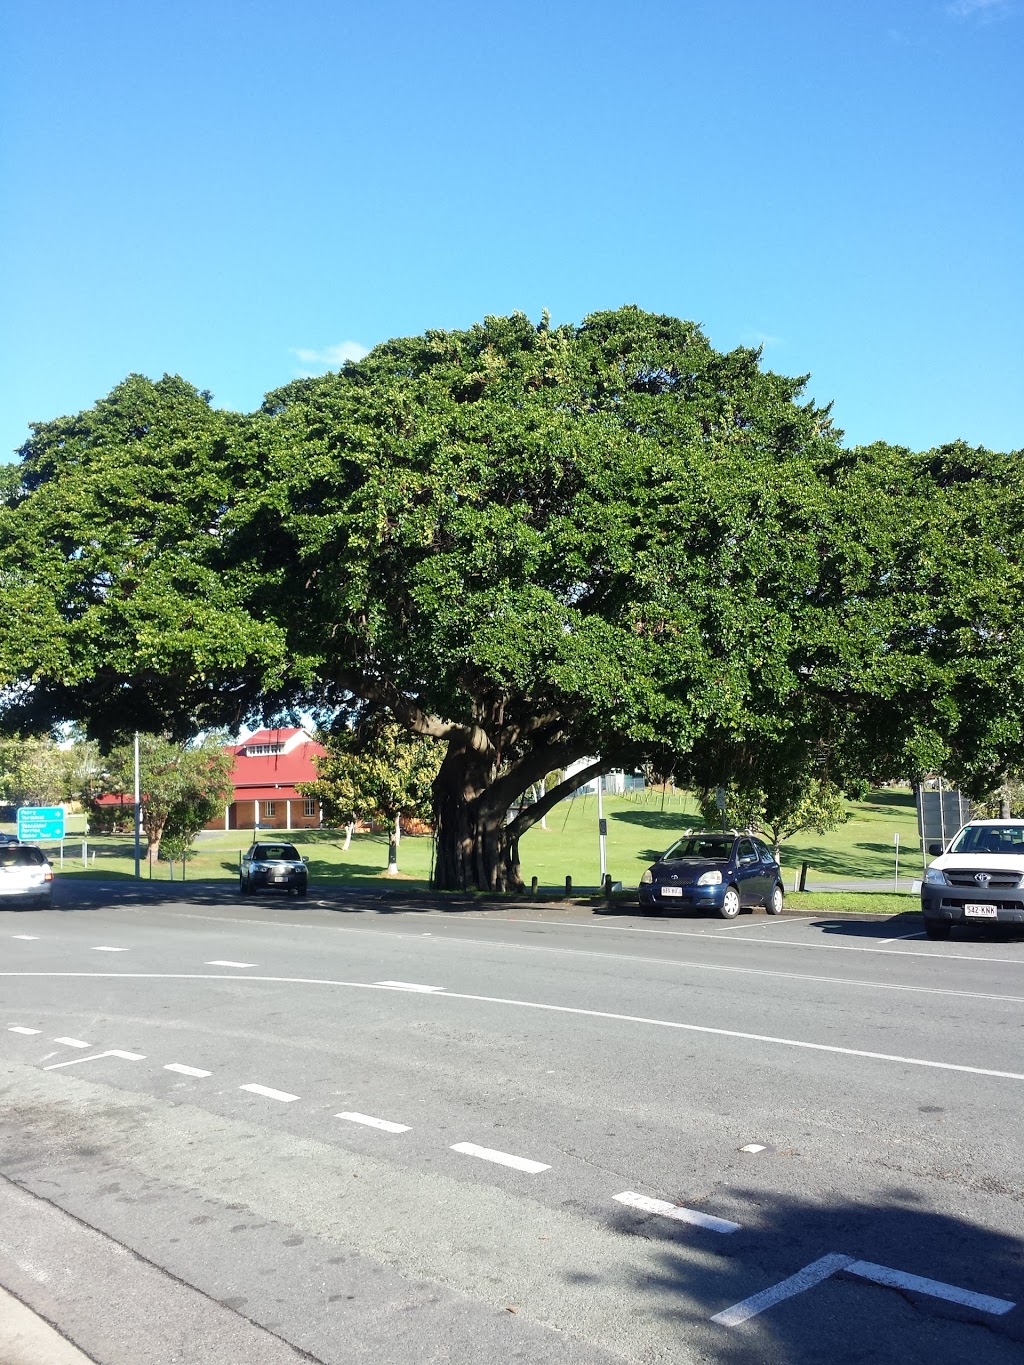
x=272 y=865
x=720 y=872
x=26 y=876
x=8 y=839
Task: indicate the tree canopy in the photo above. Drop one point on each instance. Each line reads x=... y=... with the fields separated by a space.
x=533 y=545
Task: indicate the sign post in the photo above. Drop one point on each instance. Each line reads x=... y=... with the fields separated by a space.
x=896 y=841
x=602 y=832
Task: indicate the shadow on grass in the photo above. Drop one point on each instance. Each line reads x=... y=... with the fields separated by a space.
x=674 y=820
x=684 y=1275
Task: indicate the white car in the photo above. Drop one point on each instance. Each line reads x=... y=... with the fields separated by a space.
x=25 y=876
x=979 y=879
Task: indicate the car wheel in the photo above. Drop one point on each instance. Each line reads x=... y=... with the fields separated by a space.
x=650 y=909
x=301 y=889
x=242 y=888
x=937 y=928
x=730 y=906
x=777 y=900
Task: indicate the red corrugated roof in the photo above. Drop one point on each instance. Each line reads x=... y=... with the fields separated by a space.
x=276 y=736
x=268 y=770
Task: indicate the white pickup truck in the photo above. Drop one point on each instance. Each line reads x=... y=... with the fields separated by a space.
x=979 y=879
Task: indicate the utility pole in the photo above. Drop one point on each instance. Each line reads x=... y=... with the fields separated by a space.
x=602 y=831
x=138 y=813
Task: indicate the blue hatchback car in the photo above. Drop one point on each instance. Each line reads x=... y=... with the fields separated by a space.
x=709 y=871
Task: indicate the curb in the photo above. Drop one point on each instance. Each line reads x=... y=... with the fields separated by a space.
x=28 y=1339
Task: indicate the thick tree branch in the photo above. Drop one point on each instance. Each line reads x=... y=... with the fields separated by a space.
x=526 y=819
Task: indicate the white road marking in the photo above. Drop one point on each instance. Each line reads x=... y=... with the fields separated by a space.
x=754 y=1147
x=901 y=937
x=217 y=962
x=387 y=1126
x=408 y=986
x=796 y=1284
x=518 y=1163
x=708 y=934
x=756 y=923
x=440 y=994
x=102 y=949
x=186 y=1070
x=270 y=1094
x=899 y=1279
x=676 y=1211
x=29 y=938
x=113 y=1052
x=72 y=1042
x=18 y=1028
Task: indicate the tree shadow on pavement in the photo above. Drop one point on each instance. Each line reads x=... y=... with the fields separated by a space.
x=848 y=1318
x=910 y=923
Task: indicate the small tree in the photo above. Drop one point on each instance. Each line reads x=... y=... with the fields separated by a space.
x=816 y=804
x=376 y=770
x=182 y=786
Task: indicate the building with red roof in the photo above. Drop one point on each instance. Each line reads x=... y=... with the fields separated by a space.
x=267 y=767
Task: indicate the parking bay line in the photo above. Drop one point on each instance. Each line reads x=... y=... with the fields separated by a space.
x=20 y=1028
x=518 y=1163
x=219 y=963
x=409 y=986
x=385 y=1124
x=186 y=1070
x=440 y=994
x=103 y=949
x=29 y=938
x=72 y=1042
x=113 y=1052
x=676 y=1211
x=834 y=1263
x=268 y=1093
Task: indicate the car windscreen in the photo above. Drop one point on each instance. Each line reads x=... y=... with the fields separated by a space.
x=269 y=853
x=990 y=839
x=699 y=846
x=20 y=857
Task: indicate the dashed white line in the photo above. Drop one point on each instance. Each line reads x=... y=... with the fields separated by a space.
x=408 y=986
x=900 y=1279
x=113 y=1052
x=385 y=1124
x=29 y=938
x=796 y=1284
x=268 y=1093
x=518 y=1163
x=19 y=1028
x=186 y=1070
x=72 y=1042
x=676 y=1211
x=217 y=962
x=754 y=1147
x=103 y=949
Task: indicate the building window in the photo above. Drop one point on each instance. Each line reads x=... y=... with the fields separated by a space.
x=269 y=809
x=309 y=806
x=255 y=750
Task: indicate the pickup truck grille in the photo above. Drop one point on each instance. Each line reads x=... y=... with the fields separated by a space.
x=1002 y=880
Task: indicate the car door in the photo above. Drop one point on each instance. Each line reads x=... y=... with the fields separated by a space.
x=748 y=872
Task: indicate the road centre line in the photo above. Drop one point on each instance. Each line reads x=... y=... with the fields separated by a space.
x=102 y=949
x=384 y=1124
x=73 y=1042
x=769 y=942
x=676 y=1211
x=706 y=1029
x=269 y=1094
x=219 y=962
x=19 y=1028
x=408 y=986
x=518 y=1163
x=186 y=1070
x=30 y=938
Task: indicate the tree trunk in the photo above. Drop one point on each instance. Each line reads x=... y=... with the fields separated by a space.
x=394 y=836
x=348 y=837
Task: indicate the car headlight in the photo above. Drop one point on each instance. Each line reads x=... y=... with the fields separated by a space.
x=261 y=867
x=936 y=876
x=646 y=879
x=709 y=879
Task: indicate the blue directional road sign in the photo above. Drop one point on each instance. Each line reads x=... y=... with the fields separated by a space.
x=40 y=822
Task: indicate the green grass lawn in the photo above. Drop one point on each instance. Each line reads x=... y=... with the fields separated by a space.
x=640 y=827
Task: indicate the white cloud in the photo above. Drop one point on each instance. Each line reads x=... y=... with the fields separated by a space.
x=331 y=357
x=984 y=10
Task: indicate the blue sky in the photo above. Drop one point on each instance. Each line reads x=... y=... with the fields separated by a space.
x=240 y=192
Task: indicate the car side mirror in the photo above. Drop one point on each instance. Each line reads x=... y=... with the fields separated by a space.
x=935 y=850
x=305 y=859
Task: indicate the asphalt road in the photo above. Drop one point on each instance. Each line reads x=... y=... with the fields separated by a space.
x=370 y=1130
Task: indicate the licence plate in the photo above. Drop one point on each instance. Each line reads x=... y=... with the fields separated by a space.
x=981 y=911
x=671 y=890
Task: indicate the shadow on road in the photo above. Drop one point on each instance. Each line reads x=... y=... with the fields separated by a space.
x=847 y=1317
